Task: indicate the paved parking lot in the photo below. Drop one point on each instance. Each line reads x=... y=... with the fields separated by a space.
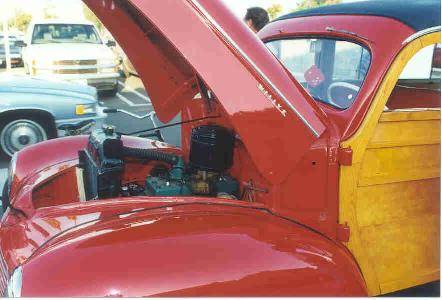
x=131 y=97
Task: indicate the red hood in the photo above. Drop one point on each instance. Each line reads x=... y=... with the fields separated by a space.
x=171 y=42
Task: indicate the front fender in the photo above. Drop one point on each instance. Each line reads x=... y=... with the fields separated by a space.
x=191 y=249
x=34 y=159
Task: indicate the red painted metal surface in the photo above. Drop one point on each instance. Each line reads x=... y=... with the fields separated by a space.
x=250 y=103
x=404 y=97
x=184 y=249
x=203 y=246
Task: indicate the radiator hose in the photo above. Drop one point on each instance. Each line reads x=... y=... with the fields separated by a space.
x=150 y=154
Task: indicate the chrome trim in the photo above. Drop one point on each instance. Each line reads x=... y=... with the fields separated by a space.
x=250 y=61
x=4 y=276
x=420 y=33
x=79 y=62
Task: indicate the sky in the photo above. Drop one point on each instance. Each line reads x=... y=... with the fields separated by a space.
x=239 y=7
x=73 y=8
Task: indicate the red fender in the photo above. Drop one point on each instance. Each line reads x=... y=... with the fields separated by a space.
x=59 y=153
x=189 y=249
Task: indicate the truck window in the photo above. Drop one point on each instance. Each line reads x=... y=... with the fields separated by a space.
x=332 y=71
x=65 y=33
x=418 y=86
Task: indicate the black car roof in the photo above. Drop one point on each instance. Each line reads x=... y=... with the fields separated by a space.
x=418 y=14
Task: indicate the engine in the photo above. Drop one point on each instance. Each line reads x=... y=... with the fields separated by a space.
x=210 y=158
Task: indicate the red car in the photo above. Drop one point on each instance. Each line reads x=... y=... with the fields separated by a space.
x=310 y=169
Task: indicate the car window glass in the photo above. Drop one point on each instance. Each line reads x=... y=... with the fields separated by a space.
x=332 y=71
x=12 y=40
x=418 y=86
x=423 y=65
x=65 y=33
x=351 y=62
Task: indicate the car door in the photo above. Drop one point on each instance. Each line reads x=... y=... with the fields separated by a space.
x=390 y=195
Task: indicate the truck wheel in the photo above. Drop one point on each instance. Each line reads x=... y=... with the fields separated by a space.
x=17 y=133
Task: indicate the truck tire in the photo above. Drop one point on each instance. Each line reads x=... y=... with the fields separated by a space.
x=18 y=132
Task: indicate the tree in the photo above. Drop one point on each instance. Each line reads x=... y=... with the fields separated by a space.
x=21 y=20
x=305 y=4
x=274 y=11
x=49 y=12
x=90 y=16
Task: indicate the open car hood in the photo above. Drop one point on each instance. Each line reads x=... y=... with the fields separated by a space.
x=171 y=43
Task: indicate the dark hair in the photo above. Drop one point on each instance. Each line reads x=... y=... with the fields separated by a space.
x=259 y=17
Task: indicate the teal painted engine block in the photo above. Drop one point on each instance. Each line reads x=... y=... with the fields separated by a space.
x=182 y=181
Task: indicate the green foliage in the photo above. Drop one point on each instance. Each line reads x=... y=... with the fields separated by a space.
x=48 y=12
x=90 y=16
x=21 y=20
x=274 y=11
x=305 y=4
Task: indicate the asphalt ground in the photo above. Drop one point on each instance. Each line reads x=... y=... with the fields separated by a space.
x=133 y=98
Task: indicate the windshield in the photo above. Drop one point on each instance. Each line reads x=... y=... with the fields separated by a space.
x=332 y=71
x=65 y=33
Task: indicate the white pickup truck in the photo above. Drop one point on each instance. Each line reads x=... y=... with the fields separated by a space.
x=72 y=51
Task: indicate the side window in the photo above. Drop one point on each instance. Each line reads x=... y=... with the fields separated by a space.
x=418 y=86
x=332 y=71
x=425 y=64
x=351 y=62
x=435 y=67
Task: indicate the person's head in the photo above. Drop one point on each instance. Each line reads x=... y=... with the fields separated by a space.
x=256 y=18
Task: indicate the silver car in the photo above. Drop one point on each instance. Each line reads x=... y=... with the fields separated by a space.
x=33 y=110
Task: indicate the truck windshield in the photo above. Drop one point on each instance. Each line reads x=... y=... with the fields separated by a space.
x=65 y=33
x=332 y=71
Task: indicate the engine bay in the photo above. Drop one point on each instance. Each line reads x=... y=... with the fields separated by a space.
x=205 y=174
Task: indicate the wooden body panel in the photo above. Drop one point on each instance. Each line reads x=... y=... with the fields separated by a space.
x=397 y=205
x=390 y=195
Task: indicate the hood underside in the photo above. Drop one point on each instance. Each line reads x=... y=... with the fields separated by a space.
x=203 y=39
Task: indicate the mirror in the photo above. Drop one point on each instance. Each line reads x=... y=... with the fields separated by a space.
x=20 y=44
x=111 y=44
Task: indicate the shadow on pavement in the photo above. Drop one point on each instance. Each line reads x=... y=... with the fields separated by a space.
x=431 y=289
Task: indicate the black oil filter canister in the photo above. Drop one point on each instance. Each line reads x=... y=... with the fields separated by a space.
x=211 y=148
